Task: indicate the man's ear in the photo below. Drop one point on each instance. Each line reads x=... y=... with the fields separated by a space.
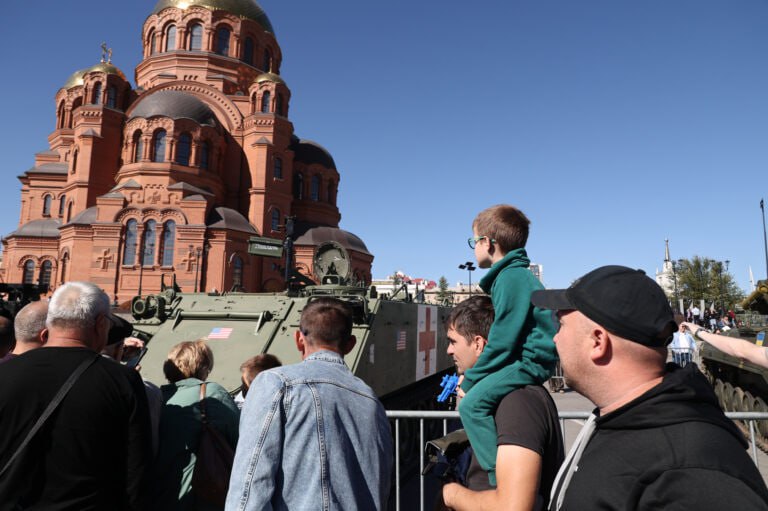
x=478 y=343
x=300 y=342
x=602 y=345
x=349 y=345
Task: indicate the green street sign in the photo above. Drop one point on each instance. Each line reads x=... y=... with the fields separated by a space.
x=267 y=247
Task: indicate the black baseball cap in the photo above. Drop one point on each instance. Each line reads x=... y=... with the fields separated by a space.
x=624 y=301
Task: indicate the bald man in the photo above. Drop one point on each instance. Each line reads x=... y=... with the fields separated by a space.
x=6 y=339
x=657 y=439
x=29 y=327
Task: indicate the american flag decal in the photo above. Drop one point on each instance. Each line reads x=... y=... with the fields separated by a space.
x=401 y=336
x=220 y=333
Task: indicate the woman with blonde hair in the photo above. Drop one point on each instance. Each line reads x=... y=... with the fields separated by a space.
x=187 y=368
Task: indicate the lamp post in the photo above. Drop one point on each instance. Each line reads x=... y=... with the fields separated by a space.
x=765 y=238
x=198 y=253
x=722 y=284
x=470 y=268
x=674 y=278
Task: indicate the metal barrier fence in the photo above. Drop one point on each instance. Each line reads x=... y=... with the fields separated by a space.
x=399 y=415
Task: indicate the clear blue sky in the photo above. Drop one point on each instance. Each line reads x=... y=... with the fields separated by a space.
x=612 y=124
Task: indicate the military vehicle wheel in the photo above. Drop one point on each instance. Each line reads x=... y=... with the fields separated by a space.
x=719 y=391
x=728 y=396
x=762 y=426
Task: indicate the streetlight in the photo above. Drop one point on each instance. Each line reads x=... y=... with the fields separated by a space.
x=470 y=268
x=674 y=278
x=722 y=284
x=198 y=252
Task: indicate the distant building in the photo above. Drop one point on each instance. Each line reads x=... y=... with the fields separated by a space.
x=174 y=177
x=538 y=271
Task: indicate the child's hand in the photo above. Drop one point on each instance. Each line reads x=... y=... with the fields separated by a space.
x=459 y=392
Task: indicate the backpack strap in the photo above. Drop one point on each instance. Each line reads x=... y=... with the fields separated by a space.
x=51 y=407
x=203 y=414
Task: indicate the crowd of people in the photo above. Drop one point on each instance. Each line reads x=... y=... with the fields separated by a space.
x=81 y=430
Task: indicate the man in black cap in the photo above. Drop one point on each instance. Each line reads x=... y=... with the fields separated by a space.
x=657 y=439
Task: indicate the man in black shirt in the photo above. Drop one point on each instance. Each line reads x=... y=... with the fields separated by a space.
x=657 y=439
x=92 y=451
x=530 y=447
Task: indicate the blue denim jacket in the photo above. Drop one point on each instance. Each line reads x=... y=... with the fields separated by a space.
x=312 y=436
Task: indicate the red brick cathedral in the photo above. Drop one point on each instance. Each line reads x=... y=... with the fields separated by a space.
x=175 y=176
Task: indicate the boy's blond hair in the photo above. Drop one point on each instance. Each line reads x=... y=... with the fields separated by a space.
x=505 y=224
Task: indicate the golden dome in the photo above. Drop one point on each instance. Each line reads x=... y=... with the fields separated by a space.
x=243 y=8
x=76 y=78
x=269 y=77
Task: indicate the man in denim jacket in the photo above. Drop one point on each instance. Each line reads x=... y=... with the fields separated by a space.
x=312 y=435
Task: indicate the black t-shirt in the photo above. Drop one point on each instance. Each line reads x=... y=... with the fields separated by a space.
x=526 y=417
x=92 y=453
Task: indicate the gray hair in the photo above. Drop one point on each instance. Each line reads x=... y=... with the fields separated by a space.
x=30 y=321
x=77 y=305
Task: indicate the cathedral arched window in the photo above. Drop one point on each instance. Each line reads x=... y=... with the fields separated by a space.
x=150 y=243
x=138 y=146
x=267 y=60
x=129 y=249
x=277 y=172
x=298 y=186
x=265 y=99
x=62 y=204
x=111 y=96
x=62 y=115
x=169 y=239
x=275 y=220
x=170 y=38
x=47 y=205
x=196 y=37
x=237 y=273
x=279 y=104
x=74 y=161
x=63 y=264
x=222 y=40
x=183 y=149
x=315 y=188
x=28 y=277
x=77 y=103
x=152 y=43
x=96 y=96
x=248 y=51
x=44 y=279
x=69 y=211
x=330 y=192
x=158 y=146
x=205 y=156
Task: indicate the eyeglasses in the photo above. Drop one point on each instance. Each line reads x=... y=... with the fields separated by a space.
x=474 y=239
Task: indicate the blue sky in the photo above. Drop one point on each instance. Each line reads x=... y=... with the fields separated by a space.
x=612 y=124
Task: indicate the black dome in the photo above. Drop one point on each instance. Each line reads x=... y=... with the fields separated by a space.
x=176 y=105
x=308 y=151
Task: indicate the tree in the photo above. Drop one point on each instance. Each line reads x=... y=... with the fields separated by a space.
x=444 y=297
x=701 y=278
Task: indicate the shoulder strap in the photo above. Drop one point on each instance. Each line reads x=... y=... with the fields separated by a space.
x=202 y=404
x=51 y=407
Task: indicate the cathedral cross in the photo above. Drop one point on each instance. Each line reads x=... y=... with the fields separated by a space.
x=189 y=260
x=105 y=259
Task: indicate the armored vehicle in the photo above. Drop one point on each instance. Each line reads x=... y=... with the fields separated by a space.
x=739 y=385
x=400 y=350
